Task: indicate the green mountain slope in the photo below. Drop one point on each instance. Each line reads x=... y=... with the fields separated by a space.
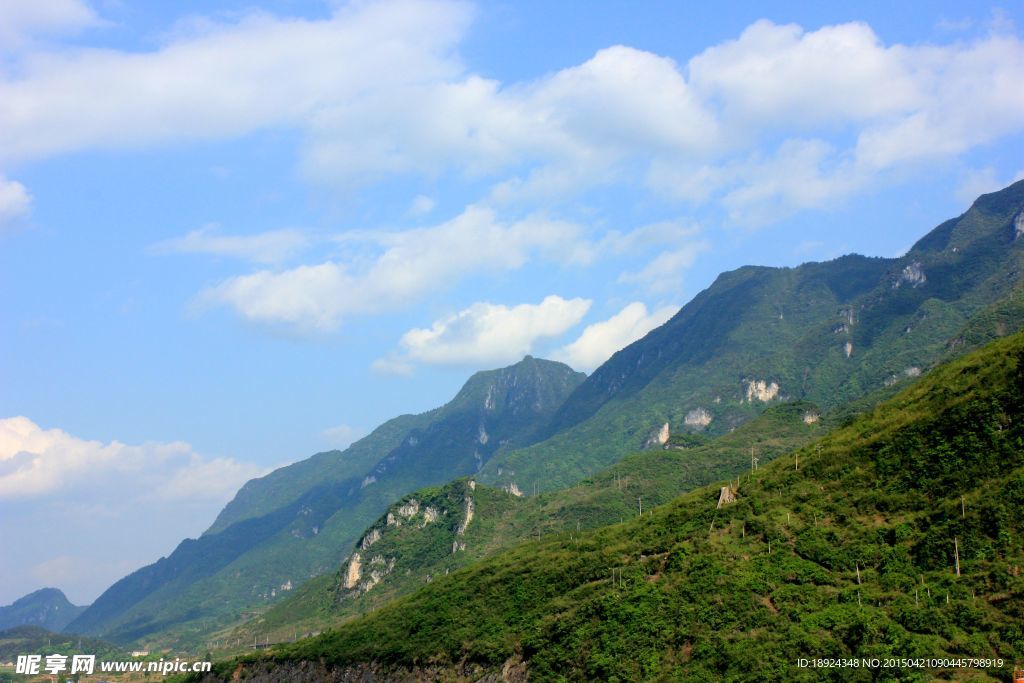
x=250 y=562
x=425 y=534
x=897 y=536
x=825 y=332
x=46 y=608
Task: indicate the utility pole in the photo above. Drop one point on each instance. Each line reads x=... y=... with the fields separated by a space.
x=640 y=500
x=956 y=555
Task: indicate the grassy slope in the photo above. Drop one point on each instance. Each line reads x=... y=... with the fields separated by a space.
x=693 y=593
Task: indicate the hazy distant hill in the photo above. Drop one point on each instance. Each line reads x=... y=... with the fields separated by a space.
x=47 y=608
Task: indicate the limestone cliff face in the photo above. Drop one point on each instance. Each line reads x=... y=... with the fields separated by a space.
x=354 y=571
x=912 y=274
x=761 y=390
x=404 y=538
x=698 y=418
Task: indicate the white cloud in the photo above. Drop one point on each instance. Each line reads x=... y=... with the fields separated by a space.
x=69 y=505
x=266 y=247
x=341 y=436
x=490 y=333
x=600 y=340
x=226 y=81
x=377 y=89
x=391 y=365
x=21 y=21
x=979 y=181
x=781 y=75
x=971 y=97
x=15 y=200
x=421 y=205
x=407 y=265
x=37 y=462
x=664 y=273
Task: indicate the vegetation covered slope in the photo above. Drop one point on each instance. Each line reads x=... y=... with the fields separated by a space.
x=825 y=332
x=46 y=608
x=425 y=534
x=898 y=535
x=27 y=640
x=215 y=579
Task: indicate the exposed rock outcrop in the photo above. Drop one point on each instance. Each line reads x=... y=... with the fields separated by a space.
x=658 y=437
x=761 y=390
x=912 y=275
x=726 y=495
x=354 y=571
x=371 y=537
x=464 y=524
x=698 y=417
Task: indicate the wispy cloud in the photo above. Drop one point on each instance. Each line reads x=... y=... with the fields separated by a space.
x=408 y=264
x=37 y=462
x=268 y=247
x=15 y=201
x=600 y=340
x=488 y=333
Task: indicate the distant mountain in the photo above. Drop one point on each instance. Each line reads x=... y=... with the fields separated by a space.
x=825 y=332
x=301 y=520
x=829 y=333
x=47 y=608
x=895 y=537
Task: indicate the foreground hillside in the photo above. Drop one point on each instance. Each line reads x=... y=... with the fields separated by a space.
x=847 y=547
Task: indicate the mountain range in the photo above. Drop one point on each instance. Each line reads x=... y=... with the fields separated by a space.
x=823 y=339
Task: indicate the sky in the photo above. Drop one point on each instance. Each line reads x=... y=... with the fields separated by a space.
x=234 y=234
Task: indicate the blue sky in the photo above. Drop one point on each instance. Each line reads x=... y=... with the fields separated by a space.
x=234 y=234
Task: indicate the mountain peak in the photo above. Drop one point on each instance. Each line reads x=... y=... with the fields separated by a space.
x=46 y=607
